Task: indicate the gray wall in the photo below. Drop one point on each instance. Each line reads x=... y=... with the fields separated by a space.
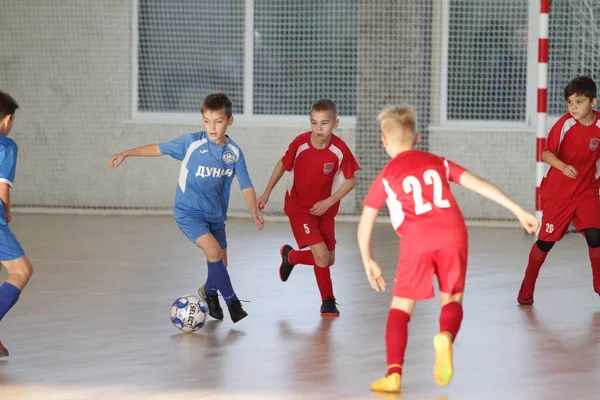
x=400 y=63
x=68 y=63
x=393 y=48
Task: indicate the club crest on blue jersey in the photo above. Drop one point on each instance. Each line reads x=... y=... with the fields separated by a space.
x=328 y=167
x=228 y=157
x=594 y=143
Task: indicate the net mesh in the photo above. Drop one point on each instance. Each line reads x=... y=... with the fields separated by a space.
x=574 y=48
x=462 y=64
x=188 y=49
x=489 y=40
x=304 y=50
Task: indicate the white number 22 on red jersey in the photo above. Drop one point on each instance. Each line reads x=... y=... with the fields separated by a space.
x=430 y=177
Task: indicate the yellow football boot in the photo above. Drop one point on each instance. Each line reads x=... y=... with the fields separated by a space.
x=443 y=369
x=388 y=384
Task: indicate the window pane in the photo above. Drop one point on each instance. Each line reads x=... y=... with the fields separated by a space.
x=487 y=60
x=304 y=50
x=574 y=47
x=188 y=49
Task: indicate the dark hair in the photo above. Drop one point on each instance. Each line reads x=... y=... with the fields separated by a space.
x=216 y=102
x=8 y=105
x=324 y=105
x=582 y=85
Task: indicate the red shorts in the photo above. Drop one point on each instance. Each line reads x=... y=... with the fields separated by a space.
x=414 y=277
x=309 y=230
x=557 y=216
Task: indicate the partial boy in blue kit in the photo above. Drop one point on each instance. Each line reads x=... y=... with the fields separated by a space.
x=12 y=256
x=209 y=161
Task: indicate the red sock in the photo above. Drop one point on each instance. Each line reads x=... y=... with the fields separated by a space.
x=396 y=338
x=450 y=318
x=595 y=260
x=301 y=257
x=536 y=259
x=323 y=276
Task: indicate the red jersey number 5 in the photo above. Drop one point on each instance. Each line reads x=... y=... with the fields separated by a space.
x=430 y=177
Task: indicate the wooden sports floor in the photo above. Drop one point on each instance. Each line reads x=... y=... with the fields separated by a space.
x=94 y=321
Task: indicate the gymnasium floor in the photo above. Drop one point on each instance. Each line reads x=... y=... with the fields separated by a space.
x=94 y=321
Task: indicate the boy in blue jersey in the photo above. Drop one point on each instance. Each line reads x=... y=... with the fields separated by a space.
x=12 y=256
x=209 y=161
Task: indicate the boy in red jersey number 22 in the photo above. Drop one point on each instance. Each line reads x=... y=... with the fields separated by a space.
x=416 y=187
x=321 y=168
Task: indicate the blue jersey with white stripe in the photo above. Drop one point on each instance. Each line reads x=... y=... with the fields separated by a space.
x=8 y=167
x=206 y=173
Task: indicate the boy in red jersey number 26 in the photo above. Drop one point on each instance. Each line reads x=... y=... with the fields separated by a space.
x=321 y=168
x=569 y=189
x=416 y=187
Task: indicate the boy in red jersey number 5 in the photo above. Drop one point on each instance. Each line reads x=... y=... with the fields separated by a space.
x=569 y=190
x=321 y=168
x=416 y=186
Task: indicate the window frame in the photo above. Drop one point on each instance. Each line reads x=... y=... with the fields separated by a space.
x=530 y=120
x=247 y=118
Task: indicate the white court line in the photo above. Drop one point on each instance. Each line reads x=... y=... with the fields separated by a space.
x=26 y=392
x=90 y=262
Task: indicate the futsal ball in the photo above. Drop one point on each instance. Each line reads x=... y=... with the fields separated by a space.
x=188 y=313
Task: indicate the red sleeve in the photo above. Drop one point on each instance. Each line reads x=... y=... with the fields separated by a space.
x=377 y=196
x=553 y=139
x=290 y=155
x=453 y=171
x=349 y=164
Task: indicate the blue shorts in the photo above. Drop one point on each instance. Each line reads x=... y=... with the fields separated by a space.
x=194 y=226
x=10 y=248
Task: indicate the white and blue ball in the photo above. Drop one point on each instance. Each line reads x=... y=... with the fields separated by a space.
x=188 y=313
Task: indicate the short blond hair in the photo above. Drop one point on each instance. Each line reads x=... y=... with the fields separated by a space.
x=403 y=116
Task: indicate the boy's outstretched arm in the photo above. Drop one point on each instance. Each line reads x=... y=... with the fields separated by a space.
x=278 y=172
x=492 y=192
x=364 y=233
x=320 y=207
x=150 y=150
x=250 y=197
